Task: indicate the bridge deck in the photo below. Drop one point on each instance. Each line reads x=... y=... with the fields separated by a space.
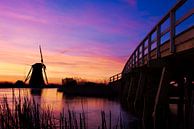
x=183 y=42
x=152 y=47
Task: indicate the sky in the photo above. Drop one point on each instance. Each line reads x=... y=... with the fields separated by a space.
x=88 y=39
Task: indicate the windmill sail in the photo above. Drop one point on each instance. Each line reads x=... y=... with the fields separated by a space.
x=28 y=76
x=41 y=57
x=45 y=75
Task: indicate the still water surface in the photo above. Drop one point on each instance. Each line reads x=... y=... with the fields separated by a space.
x=59 y=102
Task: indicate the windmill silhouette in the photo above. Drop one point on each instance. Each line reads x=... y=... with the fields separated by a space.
x=35 y=75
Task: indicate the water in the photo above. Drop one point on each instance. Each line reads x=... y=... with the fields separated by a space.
x=59 y=102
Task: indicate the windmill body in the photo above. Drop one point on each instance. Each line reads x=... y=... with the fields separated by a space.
x=35 y=75
x=37 y=79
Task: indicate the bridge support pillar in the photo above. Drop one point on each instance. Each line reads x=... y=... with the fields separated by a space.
x=153 y=78
x=138 y=102
x=124 y=89
x=132 y=90
x=185 y=104
x=161 y=107
x=188 y=103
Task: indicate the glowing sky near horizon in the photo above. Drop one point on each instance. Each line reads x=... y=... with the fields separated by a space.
x=88 y=39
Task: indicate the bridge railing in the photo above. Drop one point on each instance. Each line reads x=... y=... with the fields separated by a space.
x=115 y=77
x=152 y=41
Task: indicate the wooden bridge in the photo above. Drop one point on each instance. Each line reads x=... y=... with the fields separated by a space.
x=157 y=82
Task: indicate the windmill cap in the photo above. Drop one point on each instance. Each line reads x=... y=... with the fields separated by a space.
x=38 y=65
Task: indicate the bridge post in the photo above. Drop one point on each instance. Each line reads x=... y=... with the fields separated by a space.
x=158 y=40
x=143 y=52
x=126 y=79
x=138 y=102
x=161 y=107
x=188 y=103
x=149 y=96
x=128 y=99
x=138 y=57
x=135 y=59
x=132 y=89
x=180 y=104
x=172 y=31
x=149 y=48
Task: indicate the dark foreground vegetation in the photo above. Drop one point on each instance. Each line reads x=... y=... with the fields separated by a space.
x=25 y=113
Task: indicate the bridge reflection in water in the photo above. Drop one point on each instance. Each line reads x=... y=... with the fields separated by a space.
x=157 y=80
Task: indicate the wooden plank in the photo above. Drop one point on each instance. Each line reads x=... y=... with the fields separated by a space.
x=153 y=54
x=184 y=36
x=186 y=45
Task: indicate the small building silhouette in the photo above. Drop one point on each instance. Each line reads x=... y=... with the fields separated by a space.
x=69 y=82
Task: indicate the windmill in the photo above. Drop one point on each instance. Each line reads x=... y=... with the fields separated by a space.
x=35 y=75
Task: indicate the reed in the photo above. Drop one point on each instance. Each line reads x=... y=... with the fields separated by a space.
x=25 y=113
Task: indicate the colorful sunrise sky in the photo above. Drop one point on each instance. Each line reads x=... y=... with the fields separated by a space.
x=88 y=39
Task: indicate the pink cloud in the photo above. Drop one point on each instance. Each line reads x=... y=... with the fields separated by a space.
x=88 y=17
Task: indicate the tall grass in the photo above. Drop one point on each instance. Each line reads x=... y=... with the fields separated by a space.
x=25 y=113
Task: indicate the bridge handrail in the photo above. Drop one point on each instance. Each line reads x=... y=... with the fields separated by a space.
x=115 y=77
x=137 y=57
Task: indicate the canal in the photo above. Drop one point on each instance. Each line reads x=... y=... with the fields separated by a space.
x=91 y=106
